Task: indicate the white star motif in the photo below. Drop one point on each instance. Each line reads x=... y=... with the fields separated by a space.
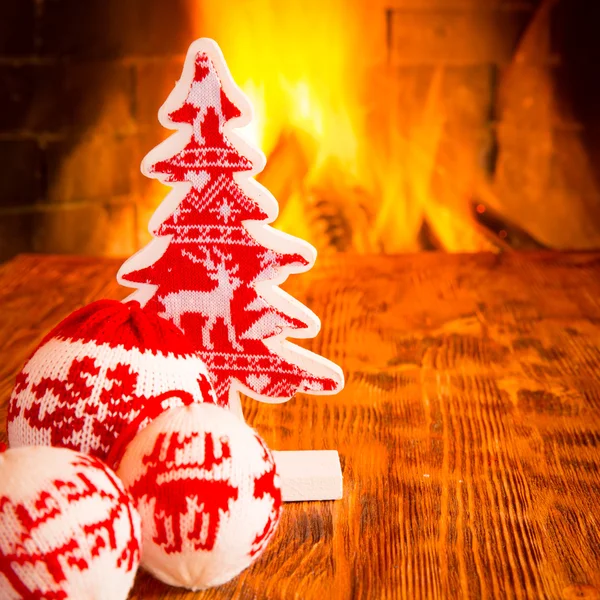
x=225 y=211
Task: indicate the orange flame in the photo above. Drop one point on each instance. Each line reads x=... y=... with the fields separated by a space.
x=327 y=111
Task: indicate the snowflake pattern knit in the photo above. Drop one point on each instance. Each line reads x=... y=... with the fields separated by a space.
x=68 y=528
x=96 y=371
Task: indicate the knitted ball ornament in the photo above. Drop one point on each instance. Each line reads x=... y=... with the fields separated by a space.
x=68 y=528
x=208 y=493
x=93 y=374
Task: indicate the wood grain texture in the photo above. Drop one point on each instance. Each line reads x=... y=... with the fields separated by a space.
x=469 y=429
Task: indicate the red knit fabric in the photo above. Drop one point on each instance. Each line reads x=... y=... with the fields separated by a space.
x=172 y=496
x=149 y=412
x=96 y=372
x=71 y=532
x=206 y=279
x=267 y=486
x=122 y=324
x=207 y=489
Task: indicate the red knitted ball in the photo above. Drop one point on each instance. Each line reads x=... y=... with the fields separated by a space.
x=68 y=528
x=208 y=492
x=94 y=373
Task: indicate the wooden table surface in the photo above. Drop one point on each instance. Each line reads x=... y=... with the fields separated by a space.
x=469 y=429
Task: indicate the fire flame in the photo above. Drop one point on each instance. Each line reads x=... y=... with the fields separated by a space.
x=327 y=112
x=372 y=147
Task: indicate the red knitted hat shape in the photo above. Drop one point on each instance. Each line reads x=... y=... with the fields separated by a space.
x=125 y=325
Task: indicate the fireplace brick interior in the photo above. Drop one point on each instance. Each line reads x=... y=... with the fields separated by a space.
x=514 y=165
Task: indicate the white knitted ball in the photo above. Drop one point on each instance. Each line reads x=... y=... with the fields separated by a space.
x=68 y=528
x=208 y=493
x=96 y=371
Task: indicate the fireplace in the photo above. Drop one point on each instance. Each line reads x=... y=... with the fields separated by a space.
x=389 y=126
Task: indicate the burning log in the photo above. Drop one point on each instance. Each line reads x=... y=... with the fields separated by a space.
x=501 y=231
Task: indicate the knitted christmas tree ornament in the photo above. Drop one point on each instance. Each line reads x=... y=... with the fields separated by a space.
x=68 y=528
x=215 y=264
x=208 y=492
x=93 y=373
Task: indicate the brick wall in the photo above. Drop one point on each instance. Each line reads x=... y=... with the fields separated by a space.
x=548 y=167
x=80 y=86
x=514 y=142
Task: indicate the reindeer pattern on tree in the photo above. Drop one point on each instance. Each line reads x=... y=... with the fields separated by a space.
x=215 y=264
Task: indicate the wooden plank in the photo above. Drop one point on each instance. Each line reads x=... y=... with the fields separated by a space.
x=468 y=431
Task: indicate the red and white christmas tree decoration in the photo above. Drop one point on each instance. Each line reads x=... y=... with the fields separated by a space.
x=215 y=264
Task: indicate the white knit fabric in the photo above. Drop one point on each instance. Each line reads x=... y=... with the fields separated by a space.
x=68 y=529
x=206 y=487
x=74 y=404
